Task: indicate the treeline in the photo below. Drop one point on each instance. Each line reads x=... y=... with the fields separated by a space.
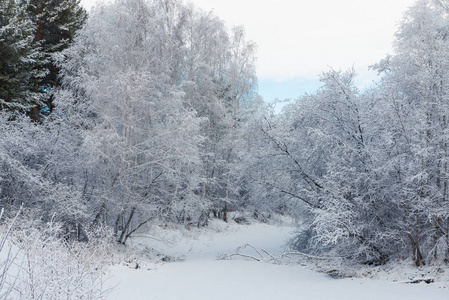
x=141 y=117
x=150 y=111
x=370 y=169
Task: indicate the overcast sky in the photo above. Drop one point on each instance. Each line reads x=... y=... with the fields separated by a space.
x=298 y=39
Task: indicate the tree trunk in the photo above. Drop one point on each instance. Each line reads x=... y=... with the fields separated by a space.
x=122 y=238
x=98 y=216
x=417 y=256
x=117 y=223
x=446 y=259
x=225 y=212
x=37 y=38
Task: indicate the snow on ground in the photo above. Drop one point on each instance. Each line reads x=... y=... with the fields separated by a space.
x=199 y=275
x=218 y=238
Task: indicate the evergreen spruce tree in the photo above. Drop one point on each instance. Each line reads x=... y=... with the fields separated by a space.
x=56 y=22
x=17 y=57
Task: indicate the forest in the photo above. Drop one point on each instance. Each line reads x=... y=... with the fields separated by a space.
x=145 y=111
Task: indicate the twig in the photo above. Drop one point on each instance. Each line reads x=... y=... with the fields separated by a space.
x=244 y=255
x=305 y=255
x=251 y=246
x=269 y=254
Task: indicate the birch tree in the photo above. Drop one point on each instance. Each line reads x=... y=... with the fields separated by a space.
x=143 y=139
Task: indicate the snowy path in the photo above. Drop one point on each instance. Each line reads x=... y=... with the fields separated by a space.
x=202 y=277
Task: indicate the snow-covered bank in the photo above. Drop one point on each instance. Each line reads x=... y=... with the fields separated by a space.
x=201 y=276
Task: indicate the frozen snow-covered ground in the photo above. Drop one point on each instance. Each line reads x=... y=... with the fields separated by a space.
x=199 y=275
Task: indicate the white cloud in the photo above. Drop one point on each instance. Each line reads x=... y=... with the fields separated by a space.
x=302 y=38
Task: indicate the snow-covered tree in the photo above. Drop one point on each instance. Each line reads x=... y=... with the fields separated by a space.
x=143 y=139
x=371 y=167
x=55 y=23
x=416 y=80
x=220 y=86
x=40 y=169
x=17 y=57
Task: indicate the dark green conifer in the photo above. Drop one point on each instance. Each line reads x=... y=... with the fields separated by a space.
x=17 y=57
x=56 y=22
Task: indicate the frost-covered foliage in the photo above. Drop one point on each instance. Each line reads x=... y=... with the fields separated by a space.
x=157 y=89
x=16 y=57
x=150 y=114
x=40 y=264
x=370 y=169
x=32 y=32
x=41 y=168
x=47 y=267
x=55 y=24
x=155 y=115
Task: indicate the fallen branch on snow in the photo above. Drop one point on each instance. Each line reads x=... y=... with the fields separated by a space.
x=265 y=256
